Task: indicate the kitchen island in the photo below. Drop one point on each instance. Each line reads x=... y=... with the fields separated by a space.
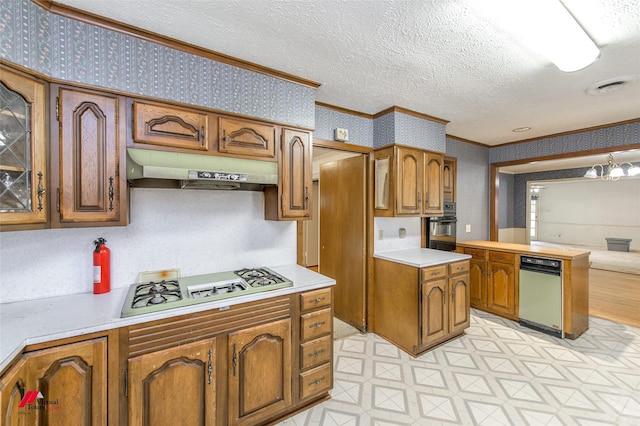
x=125 y=368
x=495 y=285
x=421 y=297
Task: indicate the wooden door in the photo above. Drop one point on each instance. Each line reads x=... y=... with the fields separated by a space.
x=245 y=137
x=73 y=382
x=478 y=283
x=23 y=154
x=343 y=237
x=409 y=180
x=173 y=386
x=459 y=303
x=501 y=288
x=295 y=168
x=435 y=315
x=433 y=190
x=90 y=157
x=13 y=388
x=259 y=364
x=170 y=126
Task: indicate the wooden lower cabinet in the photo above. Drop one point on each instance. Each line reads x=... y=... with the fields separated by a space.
x=419 y=308
x=64 y=385
x=172 y=384
x=493 y=281
x=259 y=363
x=501 y=289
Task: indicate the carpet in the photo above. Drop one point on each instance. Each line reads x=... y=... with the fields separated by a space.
x=601 y=258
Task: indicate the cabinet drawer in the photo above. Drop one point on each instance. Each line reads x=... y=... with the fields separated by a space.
x=458 y=267
x=315 y=381
x=502 y=257
x=315 y=299
x=475 y=253
x=433 y=272
x=315 y=324
x=315 y=352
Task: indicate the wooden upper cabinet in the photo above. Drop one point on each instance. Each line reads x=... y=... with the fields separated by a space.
x=407 y=182
x=291 y=200
x=174 y=386
x=170 y=126
x=23 y=157
x=246 y=137
x=91 y=155
x=433 y=189
x=409 y=166
x=449 y=173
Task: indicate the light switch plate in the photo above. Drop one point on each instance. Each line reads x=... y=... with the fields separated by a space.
x=468 y=228
x=341 y=135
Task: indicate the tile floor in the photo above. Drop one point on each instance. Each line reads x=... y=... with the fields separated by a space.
x=497 y=374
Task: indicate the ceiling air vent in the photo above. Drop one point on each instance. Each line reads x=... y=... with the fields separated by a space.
x=610 y=85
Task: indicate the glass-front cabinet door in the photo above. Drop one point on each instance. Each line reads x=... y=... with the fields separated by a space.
x=23 y=179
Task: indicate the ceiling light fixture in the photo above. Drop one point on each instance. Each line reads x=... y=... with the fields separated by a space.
x=547 y=27
x=612 y=170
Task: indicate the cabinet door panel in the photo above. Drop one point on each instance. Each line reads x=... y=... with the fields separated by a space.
x=259 y=372
x=296 y=174
x=409 y=181
x=501 y=288
x=173 y=384
x=435 y=317
x=73 y=380
x=459 y=306
x=89 y=157
x=478 y=283
x=170 y=126
x=23 y=172
x=248 y=138
x=433 y=184
x=13 y=388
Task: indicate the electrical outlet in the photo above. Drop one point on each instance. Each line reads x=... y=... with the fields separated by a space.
x=468 y=228
x=341 y=135
x=380 y=234
x=402 y=232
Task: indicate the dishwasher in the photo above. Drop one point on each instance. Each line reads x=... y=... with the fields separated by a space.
x=540 y=301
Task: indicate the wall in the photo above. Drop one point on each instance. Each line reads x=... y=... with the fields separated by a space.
x=196 y=231
x=77 y=52
x=572 y=213
x=472 y=192
x=622 y=135
x=360 y=128
x=404 y=129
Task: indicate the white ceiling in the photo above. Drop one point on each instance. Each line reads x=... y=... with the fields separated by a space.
x=443 y=58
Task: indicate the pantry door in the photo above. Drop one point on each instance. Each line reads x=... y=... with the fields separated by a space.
x=343 y=242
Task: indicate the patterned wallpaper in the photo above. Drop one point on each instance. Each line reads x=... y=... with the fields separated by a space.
x=624 y=134
x=74 y=51
x=405 y=129
x=360 y=128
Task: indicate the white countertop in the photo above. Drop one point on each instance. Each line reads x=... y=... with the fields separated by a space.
x=421 y=257
x=42 y=320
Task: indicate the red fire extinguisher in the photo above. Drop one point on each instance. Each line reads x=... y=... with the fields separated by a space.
x=101 y=267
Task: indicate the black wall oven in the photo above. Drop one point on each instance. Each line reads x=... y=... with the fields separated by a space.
x=441 y=230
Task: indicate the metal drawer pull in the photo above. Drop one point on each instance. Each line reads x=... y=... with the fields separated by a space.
x=317 y=324
x=316 y=353
x=435 y=274
x=317 y=299
x=317 y=382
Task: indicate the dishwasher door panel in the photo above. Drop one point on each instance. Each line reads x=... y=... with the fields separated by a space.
x=541 y=299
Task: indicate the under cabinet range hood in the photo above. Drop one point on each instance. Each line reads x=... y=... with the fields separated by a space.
x=162 y=169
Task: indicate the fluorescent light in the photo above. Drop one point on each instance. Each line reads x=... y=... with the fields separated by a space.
x=546 y=27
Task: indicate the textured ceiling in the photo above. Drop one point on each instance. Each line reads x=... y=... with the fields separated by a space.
x=444 y=58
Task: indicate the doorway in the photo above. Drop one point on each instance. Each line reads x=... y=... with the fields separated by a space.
x=340 y=235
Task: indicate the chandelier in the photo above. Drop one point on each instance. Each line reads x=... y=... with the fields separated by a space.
x=612 y=170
